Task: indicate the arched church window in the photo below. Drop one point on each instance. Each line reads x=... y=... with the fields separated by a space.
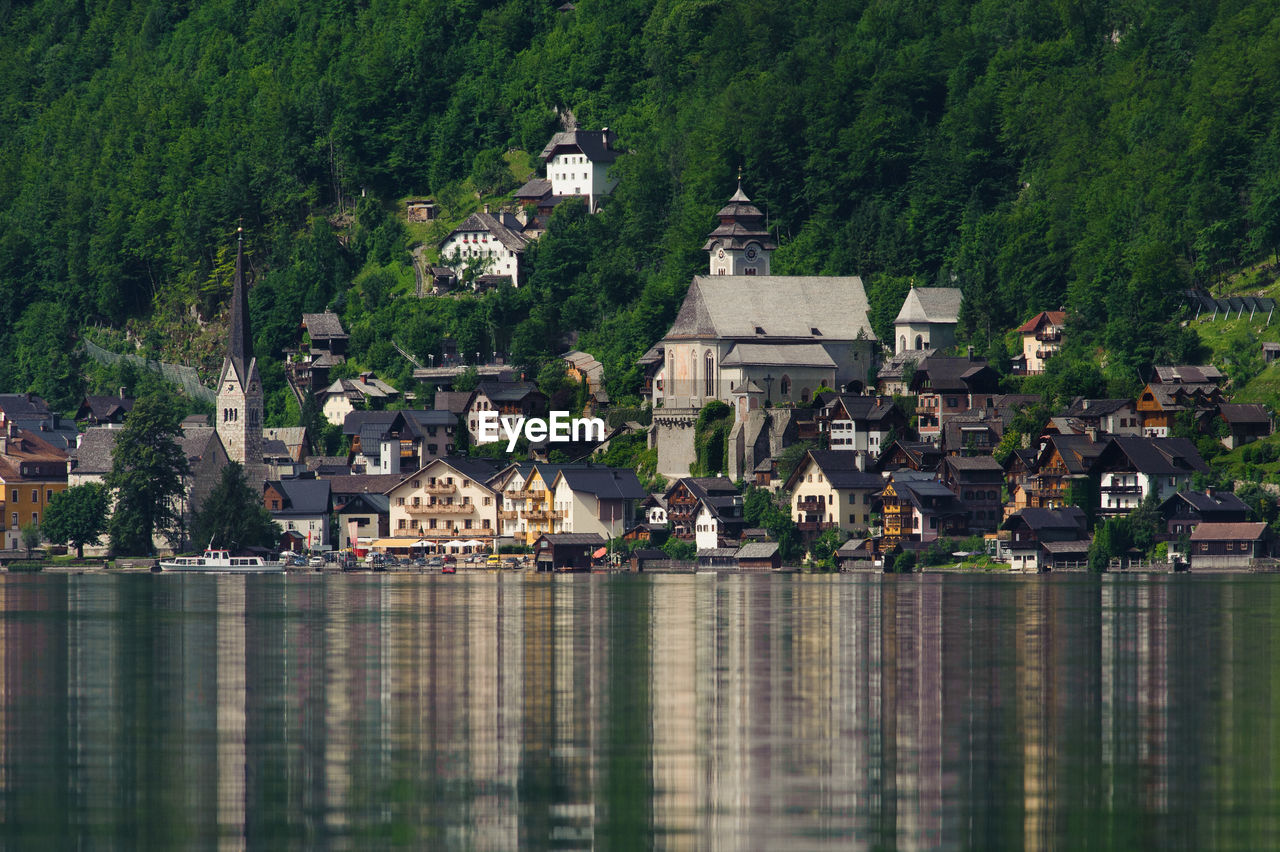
x=709 y=375
x=693 y=372
x=919 y=342
x=785 y=385
x=902 y=343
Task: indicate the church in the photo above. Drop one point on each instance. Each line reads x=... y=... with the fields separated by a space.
x=752 y=339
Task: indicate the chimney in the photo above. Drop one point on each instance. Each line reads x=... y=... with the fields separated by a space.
x=486 y=208
x=122 y=390
x=970 y=349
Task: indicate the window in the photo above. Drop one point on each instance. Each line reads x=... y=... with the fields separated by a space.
x=35 y=495
x=709 y=374
x=785 y=386
x=400 y=524
x=15 y=519
x=275 y=504
x=48 y=495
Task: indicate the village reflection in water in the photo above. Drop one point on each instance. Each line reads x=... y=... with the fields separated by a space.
x=685 y=712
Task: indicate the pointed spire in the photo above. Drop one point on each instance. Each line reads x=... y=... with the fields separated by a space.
x=240 y=337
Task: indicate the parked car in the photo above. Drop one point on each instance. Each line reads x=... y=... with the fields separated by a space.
x=435 y=562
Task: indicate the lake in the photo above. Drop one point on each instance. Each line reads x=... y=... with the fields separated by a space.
x=685 y=712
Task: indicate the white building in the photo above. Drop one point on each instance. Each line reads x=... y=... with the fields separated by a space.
x=580 y=162
x=596 y=500
x=489 y=244
x=928 y=319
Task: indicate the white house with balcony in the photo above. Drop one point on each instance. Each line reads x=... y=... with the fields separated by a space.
x=489 y=244
x=450 y=499
x=1130 y=468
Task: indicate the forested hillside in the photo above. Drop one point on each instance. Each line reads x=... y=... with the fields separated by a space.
x=1098 y=155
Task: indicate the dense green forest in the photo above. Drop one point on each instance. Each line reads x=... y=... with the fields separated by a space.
x=1102 y=156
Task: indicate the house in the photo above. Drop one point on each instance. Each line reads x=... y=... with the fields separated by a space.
x=300 y=507
x=919 y=508
x=390 y=442
x=420 y=210
x=977 y=482
x=1246 y=423
x=324 y=347
x=711 y=558
x=759 y=556
x=511 y=400
x=1099 y=417
x=973 y=433
x=344 y=396
x=1033 y=531
x=829 y=490
x=103 y=410
x=580 y=163
x=1131 y=468
x=945 y=387
x=566 y=551
x=864 y=424
x=1063 y=469
x=1041 y=339
x=928 y=319
x=706 y=510
x=596 y=499
x=655 y=511
x=90 y=461
x=894 y=375
x=449 y=499
x=31 y=414
x=362 y=519
x=1183 y=511
x=486 y=244
x=31 y=471
x=1160 y=404
x=1229 y=546
x=856 y=554
x=648 y=559
x=910 y=455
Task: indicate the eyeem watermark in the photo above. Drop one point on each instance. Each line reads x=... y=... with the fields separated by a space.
x=559 y=428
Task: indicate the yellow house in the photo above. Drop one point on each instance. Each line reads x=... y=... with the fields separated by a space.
x=31 y=472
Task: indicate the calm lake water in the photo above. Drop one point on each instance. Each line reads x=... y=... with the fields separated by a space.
x=686 y=712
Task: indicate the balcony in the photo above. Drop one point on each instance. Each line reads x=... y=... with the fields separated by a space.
x=439 y=488
x=508 y=515
x=1122 y=489
x=524 y=495
x=811 y=504
x=1049 y=335
x=813 y=526
x=544 y=515
x=440 y=509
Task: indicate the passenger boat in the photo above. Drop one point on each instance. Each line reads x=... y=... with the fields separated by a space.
x=222 y=562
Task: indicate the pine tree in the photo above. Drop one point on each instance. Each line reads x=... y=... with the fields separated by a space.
x=233 y=516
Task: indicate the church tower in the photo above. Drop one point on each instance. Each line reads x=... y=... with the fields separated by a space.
x=740 y=244
x=239 y=415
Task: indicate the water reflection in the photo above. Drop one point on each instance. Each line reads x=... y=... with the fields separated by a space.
x=683 y=712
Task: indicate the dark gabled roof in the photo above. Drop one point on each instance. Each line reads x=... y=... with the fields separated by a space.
x=840 y=469
x=1084 y=409
x=1244 y=412
x=1208 y=531
x=758 y=550
x=302 y=496
x=94 y=453
x=868 y=409
x=1079 y=452
x=455 y=402
x=510 y=238
x=356 y=422
x=605 y=483
x=104 y=408
x=1207 y=505
x=923 y=454
x=1070 y=518
x=1188 y=374
x=363 y=483
x=534 y=189
x=507 y=391
x=23 y=406
x=974 y=464
x=957 y=374
x=896 y=366
x=362 y=502
x=573 y=538
x=274 y=448
x=326 y=464
x=704 y=487
x=424 y=418
x=325 y=326
x=1153 y=456
x=596 y=144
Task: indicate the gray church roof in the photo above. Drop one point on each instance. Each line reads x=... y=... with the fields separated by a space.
x=771 y=354
x=765 y=308
x=931 y=304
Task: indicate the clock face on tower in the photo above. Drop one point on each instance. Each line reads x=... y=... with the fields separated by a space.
x=720 y=254
x=751 y=253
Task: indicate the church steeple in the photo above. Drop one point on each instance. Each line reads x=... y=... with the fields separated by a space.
x=239 y=415
x=240 y=338
x=740 y=244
